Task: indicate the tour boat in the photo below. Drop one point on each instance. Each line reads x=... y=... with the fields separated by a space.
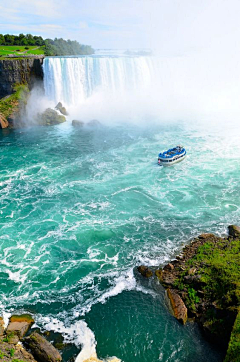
x=173 y=155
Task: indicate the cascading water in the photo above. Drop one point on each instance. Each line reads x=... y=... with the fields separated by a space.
x=73 y=79
x=82 y=207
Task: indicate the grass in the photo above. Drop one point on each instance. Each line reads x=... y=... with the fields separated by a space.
x=8 y=337
x=233 y=352
x=220 y=271
x=217 y=266
x=20 y=50
x=9 y=103
x=218 y=263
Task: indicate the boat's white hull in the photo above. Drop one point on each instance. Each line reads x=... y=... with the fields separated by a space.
x=179 y=159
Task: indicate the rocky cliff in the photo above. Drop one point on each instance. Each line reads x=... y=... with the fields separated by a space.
x=202 y=284
x=19 y=71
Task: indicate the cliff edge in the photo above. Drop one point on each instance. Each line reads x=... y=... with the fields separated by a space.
x=19 y=71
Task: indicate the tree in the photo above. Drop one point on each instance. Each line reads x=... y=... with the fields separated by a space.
x=2 y=39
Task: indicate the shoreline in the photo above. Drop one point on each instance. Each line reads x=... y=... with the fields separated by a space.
x=201 y=285
x=188 y=296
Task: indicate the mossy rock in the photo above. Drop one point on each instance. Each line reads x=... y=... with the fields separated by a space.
x=13 y=103
x=145 y=271
x=234 y=231
x=50 y=117
x=233 y=352
x=158 y=274
x=22 y=318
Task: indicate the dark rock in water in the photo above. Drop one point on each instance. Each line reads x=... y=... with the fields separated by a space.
x=61 y=109
x=77 y=123
x=177 y=305
x=59 y=105
x=42 y=349
x=50 y=117
x=18 y=327
x=94 y=123
x=234 y=231
x=158 y=273
x=145 y=271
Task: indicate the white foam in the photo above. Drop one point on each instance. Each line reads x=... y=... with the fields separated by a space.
x=16 y=277
x=6 y=317
x=78 y=333
x=123 y=282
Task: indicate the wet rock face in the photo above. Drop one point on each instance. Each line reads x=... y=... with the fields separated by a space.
x=177 y=305
x=42 y=350
x=234 y=231
x=145 y=271
x=3 y=122
x=19 y=71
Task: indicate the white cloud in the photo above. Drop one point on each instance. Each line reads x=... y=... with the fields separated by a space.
x=45 y=30
x=172 y=26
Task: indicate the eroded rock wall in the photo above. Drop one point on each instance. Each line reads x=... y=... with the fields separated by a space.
x=19 y=71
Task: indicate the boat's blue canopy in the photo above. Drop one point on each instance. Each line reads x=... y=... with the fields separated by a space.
x=172 y=152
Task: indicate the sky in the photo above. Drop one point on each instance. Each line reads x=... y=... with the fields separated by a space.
x=172 y=27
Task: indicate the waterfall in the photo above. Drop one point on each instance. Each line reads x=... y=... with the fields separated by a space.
x=72 y=80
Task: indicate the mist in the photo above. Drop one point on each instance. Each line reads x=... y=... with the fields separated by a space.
x=195 y=55
x=192 y=88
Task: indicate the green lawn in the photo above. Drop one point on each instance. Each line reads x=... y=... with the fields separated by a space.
x=20 y=50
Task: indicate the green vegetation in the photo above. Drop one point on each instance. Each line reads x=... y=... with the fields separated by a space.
x=69 y=47
x=9 y=103
x=20 y=50
x=1 y=354
x=211 y=280
x=12 y=351
x=21 y=39
x=192 y=298
x=28 y=44
x=233 y=351
x=8 y=337
x=219 y=267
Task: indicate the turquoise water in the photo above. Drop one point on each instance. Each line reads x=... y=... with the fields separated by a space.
x=80 y=208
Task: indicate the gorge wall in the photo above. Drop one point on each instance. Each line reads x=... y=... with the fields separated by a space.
x=19 y=71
